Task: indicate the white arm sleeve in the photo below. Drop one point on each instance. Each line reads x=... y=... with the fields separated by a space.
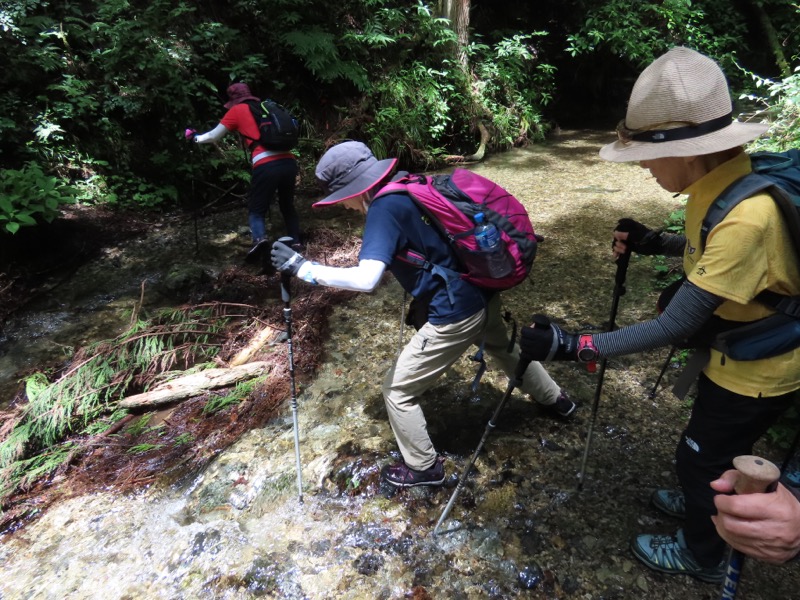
x=363 y=278
x=214 y=135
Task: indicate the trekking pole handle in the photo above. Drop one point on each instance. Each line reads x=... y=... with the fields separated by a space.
x=755 y=476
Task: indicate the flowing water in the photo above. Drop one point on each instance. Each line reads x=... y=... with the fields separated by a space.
x=519 y=529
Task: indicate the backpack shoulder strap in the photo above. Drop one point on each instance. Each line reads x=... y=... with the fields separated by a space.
x=400 y=183
x=741 y=189
x=255 y=109
x=789 y=206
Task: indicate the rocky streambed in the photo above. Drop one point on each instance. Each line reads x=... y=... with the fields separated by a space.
x=520 y=529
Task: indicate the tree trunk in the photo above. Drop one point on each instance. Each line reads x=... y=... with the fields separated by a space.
x=193 y=385
x=254 y=345
x=772 y=38
x=457 y=11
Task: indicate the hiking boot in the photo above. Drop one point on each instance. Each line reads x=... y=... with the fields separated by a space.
x=670 y=502
x=563 y=407
x=256 y=253
x=669 y=554
x=403 y=476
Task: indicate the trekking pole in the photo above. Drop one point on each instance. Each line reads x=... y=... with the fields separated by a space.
x=652 y=393
x=512 y=383
x=619 y=291
x=192 y=163
x=194 y=214
x=287 y=316
x=756 y=475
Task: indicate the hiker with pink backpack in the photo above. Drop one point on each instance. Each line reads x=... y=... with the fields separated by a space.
x=416 y=228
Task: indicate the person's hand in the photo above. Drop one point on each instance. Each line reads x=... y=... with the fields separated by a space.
x=764 y=526
x=286 y=260
x=544 y=340
x=190 y=134
x=630 y=235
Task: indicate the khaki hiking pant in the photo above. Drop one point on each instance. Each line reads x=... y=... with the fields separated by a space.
x=431 y=351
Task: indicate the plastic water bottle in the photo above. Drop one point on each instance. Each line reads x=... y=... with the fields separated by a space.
x=492 y=246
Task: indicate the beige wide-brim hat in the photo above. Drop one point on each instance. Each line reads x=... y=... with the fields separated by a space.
x=680 y=106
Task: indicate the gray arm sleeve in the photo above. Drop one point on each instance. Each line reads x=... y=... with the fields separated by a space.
x=688 y=310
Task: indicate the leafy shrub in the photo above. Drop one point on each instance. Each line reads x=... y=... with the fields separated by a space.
x=513 y=86
x=781 y=103
x=28 y=196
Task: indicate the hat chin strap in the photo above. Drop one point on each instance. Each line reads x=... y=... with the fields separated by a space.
x=683 y=133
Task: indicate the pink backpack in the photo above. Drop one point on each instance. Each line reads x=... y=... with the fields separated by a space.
x=451 y=203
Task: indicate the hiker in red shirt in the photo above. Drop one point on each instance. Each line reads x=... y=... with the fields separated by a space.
x=272 y=171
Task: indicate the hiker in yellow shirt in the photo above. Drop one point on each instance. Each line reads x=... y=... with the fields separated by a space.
x=679 y=126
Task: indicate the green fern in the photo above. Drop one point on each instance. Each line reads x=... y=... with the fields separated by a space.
x=83 y=399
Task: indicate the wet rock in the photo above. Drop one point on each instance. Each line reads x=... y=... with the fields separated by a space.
x=206 y=541
x=549 y=444
x=369 y=563
x=530 y=577
x=261 y=578
x=489 y=546
x=179 y=282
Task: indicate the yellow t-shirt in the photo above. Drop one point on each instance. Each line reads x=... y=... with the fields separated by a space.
x=748 y=252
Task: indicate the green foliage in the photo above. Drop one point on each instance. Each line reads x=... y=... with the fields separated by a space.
x=28 y=196
x=143 y=448
x=139 y=426
x=102 y=102
x=241 y=391
x=641 y=31
x=781 y=104
x=83 y=399
x=514 y=87
x=183 y=439
x=669 y=269
x=783 y=432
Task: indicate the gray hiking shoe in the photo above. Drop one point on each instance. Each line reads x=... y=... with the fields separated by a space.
x=669 y=554
x=670 y=502
x=563 y=407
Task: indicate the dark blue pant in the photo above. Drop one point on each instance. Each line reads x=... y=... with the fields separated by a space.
x=722 y=426
x=267 y=180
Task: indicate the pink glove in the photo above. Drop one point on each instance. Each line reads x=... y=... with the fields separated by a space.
x=190 y=134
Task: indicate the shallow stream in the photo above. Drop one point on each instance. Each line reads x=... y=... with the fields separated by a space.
x=519 y=529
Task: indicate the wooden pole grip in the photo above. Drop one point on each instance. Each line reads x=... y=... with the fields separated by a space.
x=756 y=474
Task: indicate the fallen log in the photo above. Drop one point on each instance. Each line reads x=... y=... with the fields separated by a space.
x=187 y=386
x=255 y=344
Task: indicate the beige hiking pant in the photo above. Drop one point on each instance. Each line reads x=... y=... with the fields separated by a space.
x=431 y=351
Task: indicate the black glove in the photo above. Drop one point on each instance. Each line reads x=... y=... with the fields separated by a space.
x=284 y=259
x=641 y=239
x=544 y=340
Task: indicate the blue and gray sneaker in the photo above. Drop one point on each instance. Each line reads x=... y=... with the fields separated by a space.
x=402 y=476
x=669 y=554
x=671 y=502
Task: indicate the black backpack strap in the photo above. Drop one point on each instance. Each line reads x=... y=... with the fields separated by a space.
x=790 y=210
x=741 y=189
